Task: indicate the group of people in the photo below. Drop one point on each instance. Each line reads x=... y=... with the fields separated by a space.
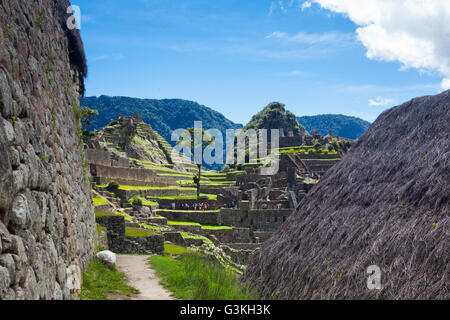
x=202 y=206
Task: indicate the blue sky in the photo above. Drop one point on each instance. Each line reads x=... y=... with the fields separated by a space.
x=238 y=56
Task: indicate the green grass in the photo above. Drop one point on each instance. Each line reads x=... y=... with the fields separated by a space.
x=174 y=250
x=100 y=229
x=210 y=197
x=205 y=227
x=188 y=236
x=98 y=201
x=99 y=214
x=144 y=201
x=190 y=211
x=216 y=228
x=127 y=217
x=98 y=281
x=182 y=223
x=137 y=232
x=194 y=277
x=142 y=188
x=152 y=227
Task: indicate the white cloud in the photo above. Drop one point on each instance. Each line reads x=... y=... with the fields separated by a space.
x=445 y=85
x=281 y=4
x=115 y=57
x=380 y=102
x=413 y=32
x=306 y=5
x=272 y=7
x=312 y=38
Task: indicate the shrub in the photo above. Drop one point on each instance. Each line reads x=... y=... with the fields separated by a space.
x=113 y=186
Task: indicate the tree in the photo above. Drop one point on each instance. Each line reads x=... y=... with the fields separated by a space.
x=87 y=114
x=190 y=143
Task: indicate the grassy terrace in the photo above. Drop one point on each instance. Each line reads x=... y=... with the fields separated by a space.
x=143 y=188
x=205 y=227
x=210 y=197
x=190 y=211
x=190 y=236
x=99 y=214
x=148 y=226
x=144 y=201
x=206 y=183
x=98 y=201
x=196 y=277
x=138 y=232
x=174 y=250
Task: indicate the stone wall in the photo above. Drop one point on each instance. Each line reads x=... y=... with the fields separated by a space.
x=207 y=218
x=167 y=204
x=175 y=238
x=238 y=256
x=130 y=176
x=269 y=220
x=128 y=194
x=118 y=242
x=105 y=158
x=257 y=220
x=294 y=141
x=47 y=225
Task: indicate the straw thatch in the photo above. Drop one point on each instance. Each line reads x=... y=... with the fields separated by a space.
x=386 y=204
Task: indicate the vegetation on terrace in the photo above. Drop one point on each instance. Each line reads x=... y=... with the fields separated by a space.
x=138 y=232
x=99 y=201
x=190 y=211
x=174 y=250
x=193 y=277
x=99 y=281
x=206 y=227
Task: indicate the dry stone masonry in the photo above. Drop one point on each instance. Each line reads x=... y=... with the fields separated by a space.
x=47 y=225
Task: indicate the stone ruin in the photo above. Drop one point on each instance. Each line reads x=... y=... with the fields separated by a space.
x=251 y=208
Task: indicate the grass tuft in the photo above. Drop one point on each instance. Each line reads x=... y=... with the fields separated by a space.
x=98 y=281
x=194 y=277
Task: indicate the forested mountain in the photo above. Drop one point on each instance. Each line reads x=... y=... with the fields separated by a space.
x=342 y=126
x=275 y=116
x=163 y=115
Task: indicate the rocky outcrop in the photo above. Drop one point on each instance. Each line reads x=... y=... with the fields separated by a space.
x=47 y=225
x=385 y=204
x=107 y=257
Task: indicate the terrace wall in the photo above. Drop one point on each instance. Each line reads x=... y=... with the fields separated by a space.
x=130 y=176
x=105 y=158
x=291 y=141
x=118 y=242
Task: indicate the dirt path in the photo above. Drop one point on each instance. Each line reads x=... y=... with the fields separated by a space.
x=142 y=277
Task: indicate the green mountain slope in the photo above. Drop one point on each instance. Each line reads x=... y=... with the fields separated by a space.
x=275 y=116
x=163 y=115
x=342 y=126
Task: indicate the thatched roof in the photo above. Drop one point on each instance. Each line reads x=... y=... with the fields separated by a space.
x=76 y=49
x=387 y=203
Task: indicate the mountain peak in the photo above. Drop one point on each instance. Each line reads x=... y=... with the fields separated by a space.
x=275 y=116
